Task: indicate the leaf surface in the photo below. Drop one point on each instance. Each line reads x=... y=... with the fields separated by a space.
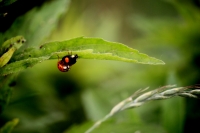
x=87 y=48
x=9 y=47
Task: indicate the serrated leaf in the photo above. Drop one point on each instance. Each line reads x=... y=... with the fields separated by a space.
x=8 y=127
x=87 y=48
x=9 y=47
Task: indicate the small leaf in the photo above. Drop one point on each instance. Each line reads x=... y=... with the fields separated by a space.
x=6 y=57
x=15 y=41
x=87 y=48
x=8 y=127
x=9 y=48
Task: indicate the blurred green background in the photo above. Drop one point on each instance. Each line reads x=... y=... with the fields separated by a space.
x=48 y=101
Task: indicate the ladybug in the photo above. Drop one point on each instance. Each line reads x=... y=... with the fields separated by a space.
x=70 y=59
x=62 y=66
x=67 y=61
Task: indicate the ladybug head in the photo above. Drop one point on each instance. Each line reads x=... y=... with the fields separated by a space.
x=74 y=56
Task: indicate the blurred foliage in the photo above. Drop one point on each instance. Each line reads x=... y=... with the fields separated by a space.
x=125 y=126
x=7 y=128
x=36 y=24
x=46 y=100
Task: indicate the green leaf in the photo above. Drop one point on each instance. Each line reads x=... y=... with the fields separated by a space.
x=87 y=48
x=7 y=128
x=9 y=47
x=35 y=25
x=6 y=57
x=14 y=41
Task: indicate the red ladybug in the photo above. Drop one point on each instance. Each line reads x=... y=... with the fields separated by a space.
x=67 y=61
x=62 y=66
